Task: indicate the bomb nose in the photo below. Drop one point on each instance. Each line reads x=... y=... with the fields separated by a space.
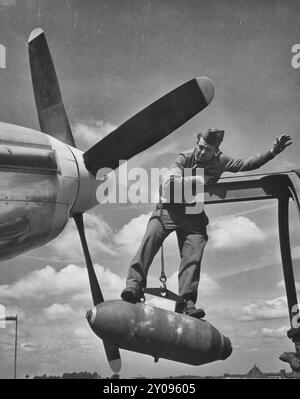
x=91 y=316
x=227 y=349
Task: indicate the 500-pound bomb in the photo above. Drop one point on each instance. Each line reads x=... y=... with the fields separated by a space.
x=159 y=333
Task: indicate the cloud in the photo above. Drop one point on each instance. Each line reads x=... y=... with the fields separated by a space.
x=110 y=283
x=234 y=232
x=68 y=245
x=256 y=209
x=70 y=282
x=207 y=284
x=295 y=252
x=88 y=133
x=275 y=332
x=128 y=239
x=58 y=311
x=83 y=332
x=281 y=284
x=47 y=281
x=271 y=309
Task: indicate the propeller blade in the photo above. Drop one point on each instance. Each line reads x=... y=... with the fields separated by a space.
x=51 y=111
x=95 y=287
x=112 y=351
x=150 y=125
x=113 y=356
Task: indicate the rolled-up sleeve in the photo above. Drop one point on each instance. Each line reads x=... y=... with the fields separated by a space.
x=174 y=187
x=175 y=174
x=172 y=181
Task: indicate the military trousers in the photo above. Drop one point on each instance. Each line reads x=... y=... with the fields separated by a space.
x=192 y=238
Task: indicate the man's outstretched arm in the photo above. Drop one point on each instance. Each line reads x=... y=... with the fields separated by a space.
x=256 y=161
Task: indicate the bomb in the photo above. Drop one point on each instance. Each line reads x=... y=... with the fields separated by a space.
x=159 y=333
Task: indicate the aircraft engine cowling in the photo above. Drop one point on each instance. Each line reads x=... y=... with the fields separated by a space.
x=38 y=188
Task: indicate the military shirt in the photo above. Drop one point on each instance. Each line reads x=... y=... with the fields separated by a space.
x=213 y=169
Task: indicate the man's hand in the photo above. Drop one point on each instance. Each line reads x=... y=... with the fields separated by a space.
x=281 y=143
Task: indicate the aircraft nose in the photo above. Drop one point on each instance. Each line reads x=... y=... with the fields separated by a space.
x=91 y=316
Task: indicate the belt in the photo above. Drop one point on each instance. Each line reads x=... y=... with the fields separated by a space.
x=175 y=206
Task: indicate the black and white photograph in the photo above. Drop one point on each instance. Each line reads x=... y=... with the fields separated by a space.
x=149 y=191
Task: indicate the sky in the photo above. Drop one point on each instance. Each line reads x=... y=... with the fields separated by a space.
x=113 y=58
